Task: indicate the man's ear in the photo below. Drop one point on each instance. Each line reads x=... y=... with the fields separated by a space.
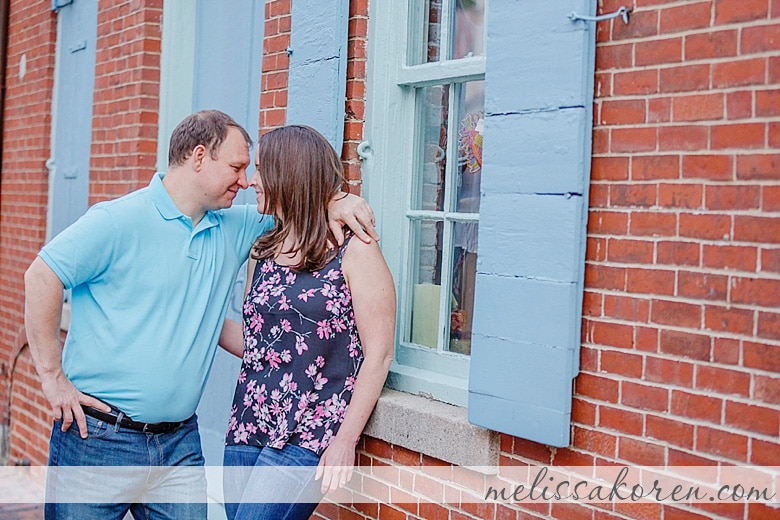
x=198 y=156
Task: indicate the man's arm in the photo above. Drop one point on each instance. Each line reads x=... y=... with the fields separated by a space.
x=346 y=209
x=42 y=315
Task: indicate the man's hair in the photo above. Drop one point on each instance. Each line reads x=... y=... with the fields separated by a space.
x=208 y=128
x=301 y=173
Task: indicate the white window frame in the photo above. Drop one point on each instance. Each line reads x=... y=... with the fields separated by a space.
x=388 y=169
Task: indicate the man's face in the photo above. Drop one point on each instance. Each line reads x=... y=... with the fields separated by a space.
x=226 y=174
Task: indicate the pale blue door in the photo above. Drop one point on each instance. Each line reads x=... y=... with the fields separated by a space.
x=72 y=112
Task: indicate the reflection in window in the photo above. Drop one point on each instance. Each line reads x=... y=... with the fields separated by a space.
x=445 y=215
x=454 y=33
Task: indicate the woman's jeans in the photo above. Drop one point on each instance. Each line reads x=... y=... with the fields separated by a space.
x=113 y=470
x=269 y=483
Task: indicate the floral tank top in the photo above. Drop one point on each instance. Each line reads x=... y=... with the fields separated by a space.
x=302 y=354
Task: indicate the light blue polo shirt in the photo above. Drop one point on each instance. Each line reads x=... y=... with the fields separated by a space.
x=149 y=294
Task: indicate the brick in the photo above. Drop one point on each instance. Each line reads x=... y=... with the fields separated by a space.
x=733 y=320
x=649 y=281
x=644 y=397
x=714 y=167
x=649 y=167
x=629 y=251
x=705 y=226
x=770 y=198
x=622 y=112
x=721 y=443
x=755 y=291
x=632 y=140
x=739 y=73
x=695 y=15
x=605 y=277
x=595 y=442
x=641 y=452
x=659 y=110
x=608 y=223
x=733 y=197
x=685 y=196
x=668 y=371
x=685 y=344
x=767 y=389
x=698 y=107
x=752 y=418
x=739 y=105
x=757 y=229
x=658 y=52
x=636 y=82
x=708 y=45
x=626 y=308
x=680 y=253
x=685 y=78
x=632 y=195
x=758 y=167
x=762 y=356
x=670 y=430
x=731 y=11
x=768 y=102
x=621 y=363
x=748 y=136
x=680 y=314
x=697 y=406
x=726 y=351
x=763 y=453
x=740 y=258
x=611 y=334
x=597 y=387
x=682 y=138
x=770 y=260
x=769 y=325
x=702 y=286
x=617 y=56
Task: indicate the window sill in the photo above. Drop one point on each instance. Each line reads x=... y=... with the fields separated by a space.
x=433 y=428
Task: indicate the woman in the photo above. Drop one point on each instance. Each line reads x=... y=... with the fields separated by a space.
x=317 y=339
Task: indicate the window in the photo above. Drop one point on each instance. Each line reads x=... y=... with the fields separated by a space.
x=486 y=243
x=433 y=144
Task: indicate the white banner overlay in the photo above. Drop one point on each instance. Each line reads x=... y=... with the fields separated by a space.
x=443 y=484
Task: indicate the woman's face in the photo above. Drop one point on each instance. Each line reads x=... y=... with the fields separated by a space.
x=257 y=183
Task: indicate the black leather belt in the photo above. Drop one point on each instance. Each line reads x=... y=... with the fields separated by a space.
x=126 y=422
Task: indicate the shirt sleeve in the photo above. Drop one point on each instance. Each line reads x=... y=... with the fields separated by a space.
x=82 y=252
x=249 y=225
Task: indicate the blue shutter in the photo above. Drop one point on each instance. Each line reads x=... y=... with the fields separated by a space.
x=533 y=214
x=318 y=67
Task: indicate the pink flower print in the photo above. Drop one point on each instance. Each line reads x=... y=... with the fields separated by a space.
x=306 y=435
x=286 y=356
x=241 y=434
x=300 y=345
x=310 y=371
x=274 y=331
x=333 y=306
x=273 y=358
x=284 y=303
x=255 y=322
x=242 y=377
x=349 y=384
x=290 y=278
x=319 y=382
x=285 y=324
x=339 y=325
x=332 y=274
x=275 y=394
x=267 y=267
x=276 y=408
x=286 y=382
x=305 y=295
x=320 y=361
x=323 y=330
x=328 y=290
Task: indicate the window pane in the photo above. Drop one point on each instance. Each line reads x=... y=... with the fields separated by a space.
x=464 y=273
x=469 y=32
x=471 y=117
x=463 y=30
x=427 y=238
x=432 y=138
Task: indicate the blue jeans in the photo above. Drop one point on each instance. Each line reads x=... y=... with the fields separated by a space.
x=115 y=470
x=269 y=483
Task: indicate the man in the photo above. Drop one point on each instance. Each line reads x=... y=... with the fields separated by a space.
x=151 y=274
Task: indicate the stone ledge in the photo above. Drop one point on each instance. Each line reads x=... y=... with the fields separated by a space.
x=436 y=429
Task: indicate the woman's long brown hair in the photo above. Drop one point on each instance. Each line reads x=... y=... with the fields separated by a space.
x=301 y=173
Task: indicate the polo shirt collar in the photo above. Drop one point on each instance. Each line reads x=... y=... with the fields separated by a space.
x=161 y=199
x=168 y=209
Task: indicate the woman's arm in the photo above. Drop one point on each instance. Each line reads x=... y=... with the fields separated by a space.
x=373 y=300
x=231 y=339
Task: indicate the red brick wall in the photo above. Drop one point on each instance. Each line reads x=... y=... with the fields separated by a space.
x=123 y=155
x=681 y=329
x=26 y=131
